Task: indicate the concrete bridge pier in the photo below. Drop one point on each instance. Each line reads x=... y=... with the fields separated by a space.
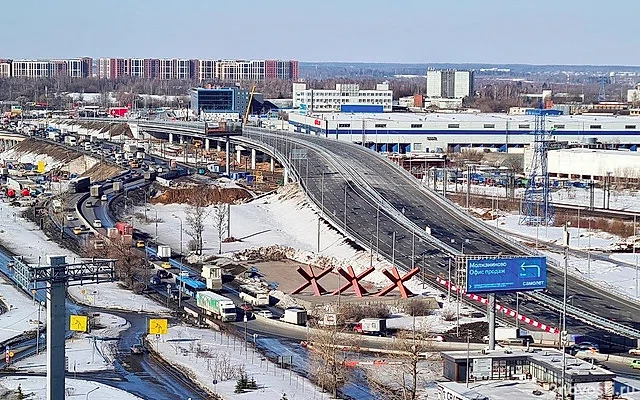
x=171 y=138
x=207 y=144
x=219 y=145
x=238 y=156
x=253 y=159
x=272 y=166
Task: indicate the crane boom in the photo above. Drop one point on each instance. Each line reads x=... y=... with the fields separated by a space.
x=246 y=114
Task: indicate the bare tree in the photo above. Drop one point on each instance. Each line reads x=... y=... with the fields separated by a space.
x=220 y=222
x=327 y=359
x=417 y=364
x=129 y=262
x=195 y=216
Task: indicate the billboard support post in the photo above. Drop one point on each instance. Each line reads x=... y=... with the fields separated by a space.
x=491 y=314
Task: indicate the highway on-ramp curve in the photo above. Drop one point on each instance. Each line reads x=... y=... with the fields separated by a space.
x=326 y=167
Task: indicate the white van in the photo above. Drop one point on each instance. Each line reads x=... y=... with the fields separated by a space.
x=97 y=223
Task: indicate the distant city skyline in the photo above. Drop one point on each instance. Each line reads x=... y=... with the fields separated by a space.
x=568 y=32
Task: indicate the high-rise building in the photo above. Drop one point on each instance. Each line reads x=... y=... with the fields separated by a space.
x=5 y=68
x=153 y=68
x=206 y=70
x=31 y=68
x=449 y=84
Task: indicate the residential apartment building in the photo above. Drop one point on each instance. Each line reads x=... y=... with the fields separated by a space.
x=449 y=84
x=5 y=68
x=153 y=68
x=344 y=98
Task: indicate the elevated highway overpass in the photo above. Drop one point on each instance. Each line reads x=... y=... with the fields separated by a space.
x=374 y=202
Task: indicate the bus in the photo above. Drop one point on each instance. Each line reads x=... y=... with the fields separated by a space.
x=190 y=286
x=253 y=295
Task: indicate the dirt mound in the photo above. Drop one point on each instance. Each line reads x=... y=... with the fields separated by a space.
x=211 y=195
x=59 y=153
x=102 y=171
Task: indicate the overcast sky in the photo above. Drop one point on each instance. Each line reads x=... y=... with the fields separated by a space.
x=415 y=31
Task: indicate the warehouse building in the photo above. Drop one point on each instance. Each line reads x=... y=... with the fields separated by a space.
x=584 y=163
x=454 y=132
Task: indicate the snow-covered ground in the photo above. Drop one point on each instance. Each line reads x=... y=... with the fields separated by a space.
x=110 y=295
x=282 y=219
x=24 y=238
x=579 y=237
x=610 y=275
x=84 y=354
x=35 y=388
x=434 y=323
x=207 y=355
x=22 y=311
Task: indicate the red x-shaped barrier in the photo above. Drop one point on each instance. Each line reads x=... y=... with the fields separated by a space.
x=398 y=281
x=312 y=280
x=353 y=280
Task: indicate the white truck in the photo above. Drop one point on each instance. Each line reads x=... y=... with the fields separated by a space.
x=371 y=326
x=511 y=336
x=216 y=305
x=295 y=316
x=70 y=140
x=164 y=251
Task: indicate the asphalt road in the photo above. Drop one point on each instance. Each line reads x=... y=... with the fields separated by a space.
x=407 y=197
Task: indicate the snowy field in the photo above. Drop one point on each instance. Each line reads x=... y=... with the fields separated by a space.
x=27 y=240
x=207 y=355
x=22 y=311
x=110 y=295
x=24 y=238
x=84 y=354
x=579 y=237
x=35 y=388
x=281 y=219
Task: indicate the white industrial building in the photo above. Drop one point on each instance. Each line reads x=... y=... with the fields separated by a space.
x=585 y=163
x=449 y=84
x=343 y=97
x=452 y=132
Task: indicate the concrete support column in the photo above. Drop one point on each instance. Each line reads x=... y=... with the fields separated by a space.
x=272 y=166
x=228 y=157
x=238 y=156
x=171 y=138
x=218 y=145
x=253 y=159
x=207 y=144
x=491 y=314
x=56 y=327
x=285 y=177
x=181 y=138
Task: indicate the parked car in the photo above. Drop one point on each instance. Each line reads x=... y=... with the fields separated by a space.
x=140 y=243
x=635 y=364
x=264 y=313
x=103 y=197
x=71 y=217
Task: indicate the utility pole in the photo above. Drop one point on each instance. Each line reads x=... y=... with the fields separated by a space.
x=563 y=334
x=345 y=208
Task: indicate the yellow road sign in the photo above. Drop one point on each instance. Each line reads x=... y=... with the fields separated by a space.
x=78 y=323
x=158 y=326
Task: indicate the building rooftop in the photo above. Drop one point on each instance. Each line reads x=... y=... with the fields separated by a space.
x=475 y=117
x=500 y=390
x=549 y=358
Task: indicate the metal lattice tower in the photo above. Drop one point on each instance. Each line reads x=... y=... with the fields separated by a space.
x=602 y=94
x=536 y=204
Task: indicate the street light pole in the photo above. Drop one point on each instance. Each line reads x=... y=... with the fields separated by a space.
x=181 y=262
x=564 y=310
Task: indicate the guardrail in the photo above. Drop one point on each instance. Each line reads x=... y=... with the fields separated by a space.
x=586 y=316
x=283 y=158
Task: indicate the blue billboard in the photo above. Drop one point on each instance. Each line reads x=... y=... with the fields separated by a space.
x=506 y=274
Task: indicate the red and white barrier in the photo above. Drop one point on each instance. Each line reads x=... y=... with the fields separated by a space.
x=500 y=308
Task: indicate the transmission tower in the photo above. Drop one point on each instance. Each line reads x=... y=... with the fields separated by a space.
x=536 y=204
x=603 y=81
